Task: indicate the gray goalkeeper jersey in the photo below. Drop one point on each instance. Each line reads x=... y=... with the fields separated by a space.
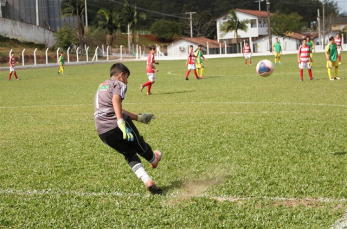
x=104 y=115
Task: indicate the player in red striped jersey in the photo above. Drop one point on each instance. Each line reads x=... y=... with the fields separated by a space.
x=338 y=42
x=12 y=61
x=151 y=70
x=247 y=53
x=191 y=63
x=304 y=60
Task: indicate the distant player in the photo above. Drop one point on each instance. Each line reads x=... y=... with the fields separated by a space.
x=338 y=42
x=277 y=48
x=115 y=126
x=191 y=63
x=198 y=61
x=304 y=60
x=247 y=53
x=151 y=70
x=331 y=55
x=312 y=47
x=61 y=64
x=12 y=61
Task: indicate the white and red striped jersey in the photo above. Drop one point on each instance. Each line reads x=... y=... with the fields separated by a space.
x=304 y=52
x=150 y=63
x=12 y=61
x=338 y=42
x=246 y=49
x=191 y=58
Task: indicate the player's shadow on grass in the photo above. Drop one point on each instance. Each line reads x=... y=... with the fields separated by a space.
x=340 y=153
x=174 y=92
x=211 y=77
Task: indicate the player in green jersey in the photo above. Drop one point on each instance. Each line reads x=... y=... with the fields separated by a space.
x=277 y=48
x=312 y=48
x=331 y=55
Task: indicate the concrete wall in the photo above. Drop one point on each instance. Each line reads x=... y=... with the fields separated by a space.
x=26 y=32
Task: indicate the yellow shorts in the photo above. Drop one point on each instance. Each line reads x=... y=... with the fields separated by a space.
x=199 y=65
x=331 y=64
x=277 y=54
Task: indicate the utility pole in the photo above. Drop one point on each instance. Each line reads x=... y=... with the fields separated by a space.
x=86 y=13
x=259 y=1
x=191 y=22
x=323 y=24
x=318 y=20
x=269 y=24
x=37 y=13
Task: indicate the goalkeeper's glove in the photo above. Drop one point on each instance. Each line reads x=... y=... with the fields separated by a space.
x=126 y=131
x=145 y=118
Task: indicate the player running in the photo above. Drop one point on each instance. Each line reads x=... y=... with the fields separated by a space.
x=277 y=48
x=331 y=55
x=151 y=70
x=338 y=42
x=115 y=126
x=304 y=60
x=198 y=61
x=61 y=64
x=312 y=47
x=191 y=63
x=12 y=61
x=247 y=53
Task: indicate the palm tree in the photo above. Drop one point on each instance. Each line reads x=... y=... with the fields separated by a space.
x=130 y=17
x=109 y=20
x=74 y=8
x=232 y=23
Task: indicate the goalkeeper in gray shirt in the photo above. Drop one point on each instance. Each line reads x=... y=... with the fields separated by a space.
x=116 y=128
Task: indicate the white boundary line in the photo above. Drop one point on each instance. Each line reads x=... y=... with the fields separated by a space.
x=176 y=194
x=184 y=103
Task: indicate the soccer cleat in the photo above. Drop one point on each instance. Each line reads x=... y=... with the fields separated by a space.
x=58 y=73
x=301 y=80
x=275 y=63
x=332 y=79
x=187 y=78
x=158 y=155
x=337 y=78
x=149 y=93
x=202 y=77
x=280 y=63
x=153 y=188
x=141 y=87
x=18 y=79
x=312 y=78
x=197 y=78
x=339 y=63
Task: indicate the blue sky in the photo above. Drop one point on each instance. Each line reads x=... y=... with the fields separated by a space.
x=342 y=4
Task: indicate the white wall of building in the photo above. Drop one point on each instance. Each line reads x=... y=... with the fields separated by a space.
x=26 y=32
x=288 y=44
x=256 y=27
x=179 y=48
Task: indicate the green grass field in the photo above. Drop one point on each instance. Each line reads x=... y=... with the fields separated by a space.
x=240 y=150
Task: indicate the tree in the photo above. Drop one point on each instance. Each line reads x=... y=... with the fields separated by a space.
x=283 y=24
x=130 y=17
x=233 y=24
x=108 y=20
x=165 y=30
x=74 y=8
x=203 y=25
x=65 y=37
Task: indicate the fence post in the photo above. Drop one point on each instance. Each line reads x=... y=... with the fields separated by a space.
x=208 y=49
x=107 y=51
x=47 y=55
x=58 y=55
x=35 y=56
x=225 y=47
x=121 y=52
x=23 y=57
x=68 y=55
x=87 y=53
x=220 y=48
x=77 y=54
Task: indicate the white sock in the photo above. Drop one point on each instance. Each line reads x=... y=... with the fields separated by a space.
x=141 y=173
